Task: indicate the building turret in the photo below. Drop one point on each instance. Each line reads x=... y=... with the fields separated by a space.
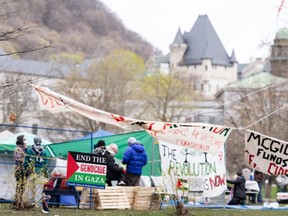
x=177 y=49
x=279 y=54
x=233 y=57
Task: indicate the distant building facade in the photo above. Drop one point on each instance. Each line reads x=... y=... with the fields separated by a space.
x=262 y=75
x=279 y=54
x=201 y=59
x=19 y=73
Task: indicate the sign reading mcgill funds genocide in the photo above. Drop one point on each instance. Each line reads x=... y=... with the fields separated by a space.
x=86 y=170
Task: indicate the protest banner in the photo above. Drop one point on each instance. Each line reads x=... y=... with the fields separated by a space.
x=186 y=170
x=87 y=170
x=266 y=154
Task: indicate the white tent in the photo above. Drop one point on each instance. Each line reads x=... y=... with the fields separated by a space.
x=6 y=134
x=28 y=136
x=8 y=181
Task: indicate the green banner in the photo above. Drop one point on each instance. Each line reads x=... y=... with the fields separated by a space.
x=87 y=179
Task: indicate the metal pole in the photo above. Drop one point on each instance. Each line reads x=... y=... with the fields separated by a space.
x=152 y=160
x=90 y=189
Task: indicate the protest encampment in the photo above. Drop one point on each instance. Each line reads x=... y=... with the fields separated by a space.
x=119 y=107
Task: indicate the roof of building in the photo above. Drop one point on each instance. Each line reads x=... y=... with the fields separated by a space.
x=35 y=68
x=31 y=67
x=282 y=33
x=203 y=42
x=259 y=80
x=38 y=68
x=178 y=38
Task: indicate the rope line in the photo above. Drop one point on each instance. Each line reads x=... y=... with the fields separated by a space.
x=259 y=90
x=254 y=92
x=266 y=116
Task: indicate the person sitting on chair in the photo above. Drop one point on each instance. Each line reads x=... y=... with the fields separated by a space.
x=99 y=148
x=114 y=171
x=239 y=190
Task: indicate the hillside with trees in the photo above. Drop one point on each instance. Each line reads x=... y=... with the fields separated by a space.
x=86 y=28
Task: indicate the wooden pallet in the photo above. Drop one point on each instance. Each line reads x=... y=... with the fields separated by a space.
x=130 y=193
x=113 y=198
x=143 y=198
x=125 y=197
x=85 y=198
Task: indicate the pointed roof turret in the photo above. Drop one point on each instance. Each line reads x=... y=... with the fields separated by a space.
x=203 y=42
x=179 y=38
x=233 y=57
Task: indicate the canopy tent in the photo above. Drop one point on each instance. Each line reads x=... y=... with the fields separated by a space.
x=153 y=166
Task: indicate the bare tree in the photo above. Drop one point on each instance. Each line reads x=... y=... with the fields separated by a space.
x=167 y=97
x=14 y=86
x=261 y=111
x=110 y=84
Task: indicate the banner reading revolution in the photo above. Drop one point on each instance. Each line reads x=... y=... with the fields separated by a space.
x=188 y=171
x=266 y=154
x=201 y=137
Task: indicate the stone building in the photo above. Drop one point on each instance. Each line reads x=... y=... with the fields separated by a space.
x=258 y=101
x=200 y=57
x=279 y=54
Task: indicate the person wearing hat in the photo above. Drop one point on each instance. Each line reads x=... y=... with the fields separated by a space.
x=238 y=190
x=100 y=148
x=136 y=158
x=114 y=171
x=36 y=164
x=19 y=157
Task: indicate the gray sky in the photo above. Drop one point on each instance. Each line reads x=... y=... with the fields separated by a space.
x=241 y=24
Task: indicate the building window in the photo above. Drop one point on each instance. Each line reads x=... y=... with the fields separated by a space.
x=206 y=67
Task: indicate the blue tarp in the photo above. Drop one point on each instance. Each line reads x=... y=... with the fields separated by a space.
x=98 y=134
x=240 y=207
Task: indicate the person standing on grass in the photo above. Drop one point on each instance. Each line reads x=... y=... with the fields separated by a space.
x=258 y=177
x=20 y=174
x=135 y=158
x=36 y=164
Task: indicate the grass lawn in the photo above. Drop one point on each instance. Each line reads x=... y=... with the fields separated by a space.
x=6 y=210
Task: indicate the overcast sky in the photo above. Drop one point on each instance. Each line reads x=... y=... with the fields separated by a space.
x=241 y=24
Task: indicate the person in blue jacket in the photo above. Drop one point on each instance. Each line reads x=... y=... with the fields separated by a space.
x=135 y=158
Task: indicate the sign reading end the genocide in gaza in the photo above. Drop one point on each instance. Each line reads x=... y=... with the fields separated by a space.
x=86 y=170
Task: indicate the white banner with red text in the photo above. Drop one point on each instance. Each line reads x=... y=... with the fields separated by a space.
x=266 y=154
x=201 y=137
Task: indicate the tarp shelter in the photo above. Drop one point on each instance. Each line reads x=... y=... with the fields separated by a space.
x=97 y=134
x=153 y=167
